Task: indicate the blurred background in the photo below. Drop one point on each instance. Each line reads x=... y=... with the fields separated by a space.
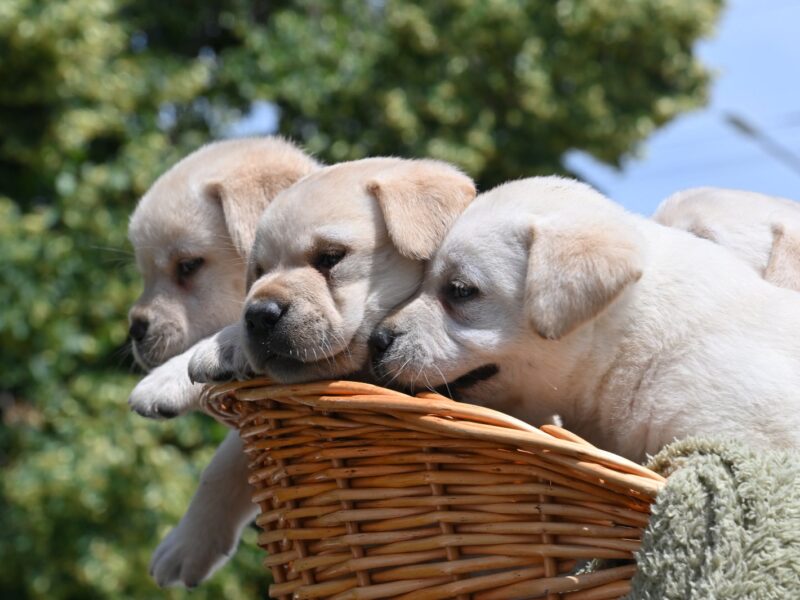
x=748 y=134
x=99 y=97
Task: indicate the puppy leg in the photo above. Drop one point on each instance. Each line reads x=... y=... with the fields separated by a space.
x=209 y=532
x=167 y=391
x=220 y=357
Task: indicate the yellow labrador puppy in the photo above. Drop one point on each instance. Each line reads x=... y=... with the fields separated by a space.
x=545 y=297
x=764 y=231
x=333 y=254
x=191 y=234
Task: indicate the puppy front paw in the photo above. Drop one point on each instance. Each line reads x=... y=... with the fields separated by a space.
x=219 y=358
x=188 y=556
x=166 y=391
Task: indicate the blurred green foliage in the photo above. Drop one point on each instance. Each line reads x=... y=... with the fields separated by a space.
x=101 y=96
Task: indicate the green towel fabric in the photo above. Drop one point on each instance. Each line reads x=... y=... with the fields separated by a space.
x=726 y=526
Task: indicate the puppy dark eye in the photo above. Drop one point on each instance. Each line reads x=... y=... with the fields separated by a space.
x=258 y=272
x=458 y=290
x=188 y=267
x=326 y=260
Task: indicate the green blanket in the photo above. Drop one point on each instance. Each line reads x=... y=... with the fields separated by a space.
x=727 y=525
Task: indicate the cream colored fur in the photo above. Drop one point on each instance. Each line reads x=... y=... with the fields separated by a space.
x=635 y=333
x=207 y=206
x=387 y=215
x=764 y=231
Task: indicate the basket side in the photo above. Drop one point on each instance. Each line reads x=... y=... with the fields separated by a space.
x=358 y=501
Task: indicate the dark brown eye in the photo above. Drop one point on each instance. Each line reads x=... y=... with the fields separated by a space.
x=188 y=267
x=259 y=272
x=458 y=291
x=326 y=260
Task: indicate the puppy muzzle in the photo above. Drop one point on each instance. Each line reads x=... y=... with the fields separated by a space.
x=262 y=319
x=379 y=344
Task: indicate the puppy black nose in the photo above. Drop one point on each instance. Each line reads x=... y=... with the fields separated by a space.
x=262 y=316
x=138 y=329
x=381 y=339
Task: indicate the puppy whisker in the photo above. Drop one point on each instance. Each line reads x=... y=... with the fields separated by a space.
x=444 y=381
x=428 y=385
x=327 y=349
x=345 y=347
x=127 y=253
x=397 y=372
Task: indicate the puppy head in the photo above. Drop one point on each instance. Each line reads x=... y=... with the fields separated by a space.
x=529 y=262
x=763 y=231
x=334 y=253
x=191 y=234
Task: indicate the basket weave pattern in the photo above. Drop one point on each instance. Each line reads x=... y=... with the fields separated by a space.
x=369 y=493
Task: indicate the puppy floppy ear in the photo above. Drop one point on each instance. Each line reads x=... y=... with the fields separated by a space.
x=245 y=192
x=420 y=199
x=783 y=267
x=575 y=270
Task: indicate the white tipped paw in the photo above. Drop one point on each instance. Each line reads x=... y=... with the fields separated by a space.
x=220 y=358
x=166 y=391
x=189 y=556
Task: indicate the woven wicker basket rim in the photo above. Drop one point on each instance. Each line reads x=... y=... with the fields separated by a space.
x=437 y=414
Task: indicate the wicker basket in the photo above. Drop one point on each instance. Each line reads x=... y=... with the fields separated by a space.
x=370 y=493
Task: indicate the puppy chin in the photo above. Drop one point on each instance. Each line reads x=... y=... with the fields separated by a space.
x=282 y=360
x=391 y=373
x=285 y=369
x=140 y=358
x=161 y=343
x=148 y=359
x=415 y=378
x=290 y=370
